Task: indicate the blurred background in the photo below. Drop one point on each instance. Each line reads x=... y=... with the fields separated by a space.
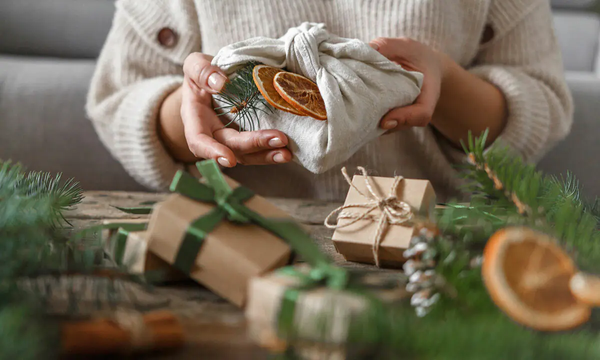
x=47 y=57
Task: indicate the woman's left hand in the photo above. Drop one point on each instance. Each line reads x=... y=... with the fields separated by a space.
x=413 y=56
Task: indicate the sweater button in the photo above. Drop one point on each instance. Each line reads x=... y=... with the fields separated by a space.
x=167 y=37
x=487 y=35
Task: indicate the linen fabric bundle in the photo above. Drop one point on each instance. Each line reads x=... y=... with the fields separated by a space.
x=357 y=83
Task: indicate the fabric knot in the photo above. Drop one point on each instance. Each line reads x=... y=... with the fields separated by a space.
x=392 y=211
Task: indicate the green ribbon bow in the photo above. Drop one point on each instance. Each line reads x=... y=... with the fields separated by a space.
x=229 y=204
x=332 y=277
x=119 y=239
x=323 y=274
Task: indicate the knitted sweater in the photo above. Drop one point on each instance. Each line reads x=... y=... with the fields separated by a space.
x=135 y=73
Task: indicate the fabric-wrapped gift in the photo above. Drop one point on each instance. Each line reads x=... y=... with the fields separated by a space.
x=220 y=233
x=379 y=217
x=358 y=85
x=296 y=300
x=126 y=243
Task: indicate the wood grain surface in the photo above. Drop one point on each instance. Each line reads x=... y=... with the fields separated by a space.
x=215 y=328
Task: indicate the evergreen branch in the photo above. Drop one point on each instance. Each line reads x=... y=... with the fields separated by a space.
x=551 y=204
x=54 y=196
x=26 y=335
x=36 y=247
x=505 y=191
x=242 y=100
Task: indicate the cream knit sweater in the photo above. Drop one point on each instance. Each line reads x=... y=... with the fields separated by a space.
x=135 y=73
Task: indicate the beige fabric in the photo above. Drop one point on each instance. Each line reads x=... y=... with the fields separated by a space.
x=135 y=73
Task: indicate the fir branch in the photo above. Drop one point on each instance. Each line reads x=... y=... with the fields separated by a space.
x=551 y=204
x=54 y=196
x=34 y=236
x=569 y=189
x=26 y=335
x=242 y=100
x=505 y=191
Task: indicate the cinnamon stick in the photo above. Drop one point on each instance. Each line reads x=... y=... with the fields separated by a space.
x=107 y=336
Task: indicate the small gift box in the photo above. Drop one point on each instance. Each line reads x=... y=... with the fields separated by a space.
x=296 y=304
x=126 y=243
x=220 y=233
x=377 y=220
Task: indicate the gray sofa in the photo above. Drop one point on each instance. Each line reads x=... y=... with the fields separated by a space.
x=47 y=52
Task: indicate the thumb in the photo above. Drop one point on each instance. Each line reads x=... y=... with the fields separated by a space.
x=198 y=68
x=200 y=122
x=418 y=115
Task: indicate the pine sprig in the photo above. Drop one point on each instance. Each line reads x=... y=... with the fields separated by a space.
x=51 y=195
x=505 y=191
x=25 y=335
x=36 y=247
x=522 y=195
x=242 y=100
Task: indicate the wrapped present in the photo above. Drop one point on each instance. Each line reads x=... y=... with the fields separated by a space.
x=358 y=86
x=220 y=233
x=311 y=307
x=115 y=234
x=126 y=243
x=379 y=217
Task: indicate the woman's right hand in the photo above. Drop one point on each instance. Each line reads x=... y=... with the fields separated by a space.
x=207 y=137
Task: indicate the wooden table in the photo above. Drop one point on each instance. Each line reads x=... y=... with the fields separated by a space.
x=216 y=328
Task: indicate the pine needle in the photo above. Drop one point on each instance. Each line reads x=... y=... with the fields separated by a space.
x=242 y=100
x=505 y=191
x=36 y=245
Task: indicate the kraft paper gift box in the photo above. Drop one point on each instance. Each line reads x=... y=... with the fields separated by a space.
x=127 y=245
x=195 y=232
x=321 y=316
x=354 y=238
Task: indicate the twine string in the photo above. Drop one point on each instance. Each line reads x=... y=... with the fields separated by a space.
x=392 y=211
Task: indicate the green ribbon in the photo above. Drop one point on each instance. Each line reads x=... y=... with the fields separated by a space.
x=332 y=277
x=119 y=239
x=229 y=204
x=322 y=275
x=135 y=210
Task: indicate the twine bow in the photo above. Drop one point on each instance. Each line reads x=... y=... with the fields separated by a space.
x=392 y=211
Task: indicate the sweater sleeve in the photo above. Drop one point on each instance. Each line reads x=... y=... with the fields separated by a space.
x=524 y=61
x=134 y=74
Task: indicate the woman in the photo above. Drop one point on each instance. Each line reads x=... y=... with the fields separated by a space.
x=487 y=64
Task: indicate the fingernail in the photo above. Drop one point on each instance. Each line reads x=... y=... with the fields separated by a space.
x=374 y=46
x=276 y=143
x=224 y=162
x=278 y=158
x=216 y=81
x=390 y=124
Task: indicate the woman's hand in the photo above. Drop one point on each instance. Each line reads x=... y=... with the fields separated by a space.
x=206 y=137
x=413 y=56
x=453 y=100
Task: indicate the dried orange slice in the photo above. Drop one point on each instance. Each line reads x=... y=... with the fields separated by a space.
x=301 y=93
x=263 y=78
x=528 y=275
